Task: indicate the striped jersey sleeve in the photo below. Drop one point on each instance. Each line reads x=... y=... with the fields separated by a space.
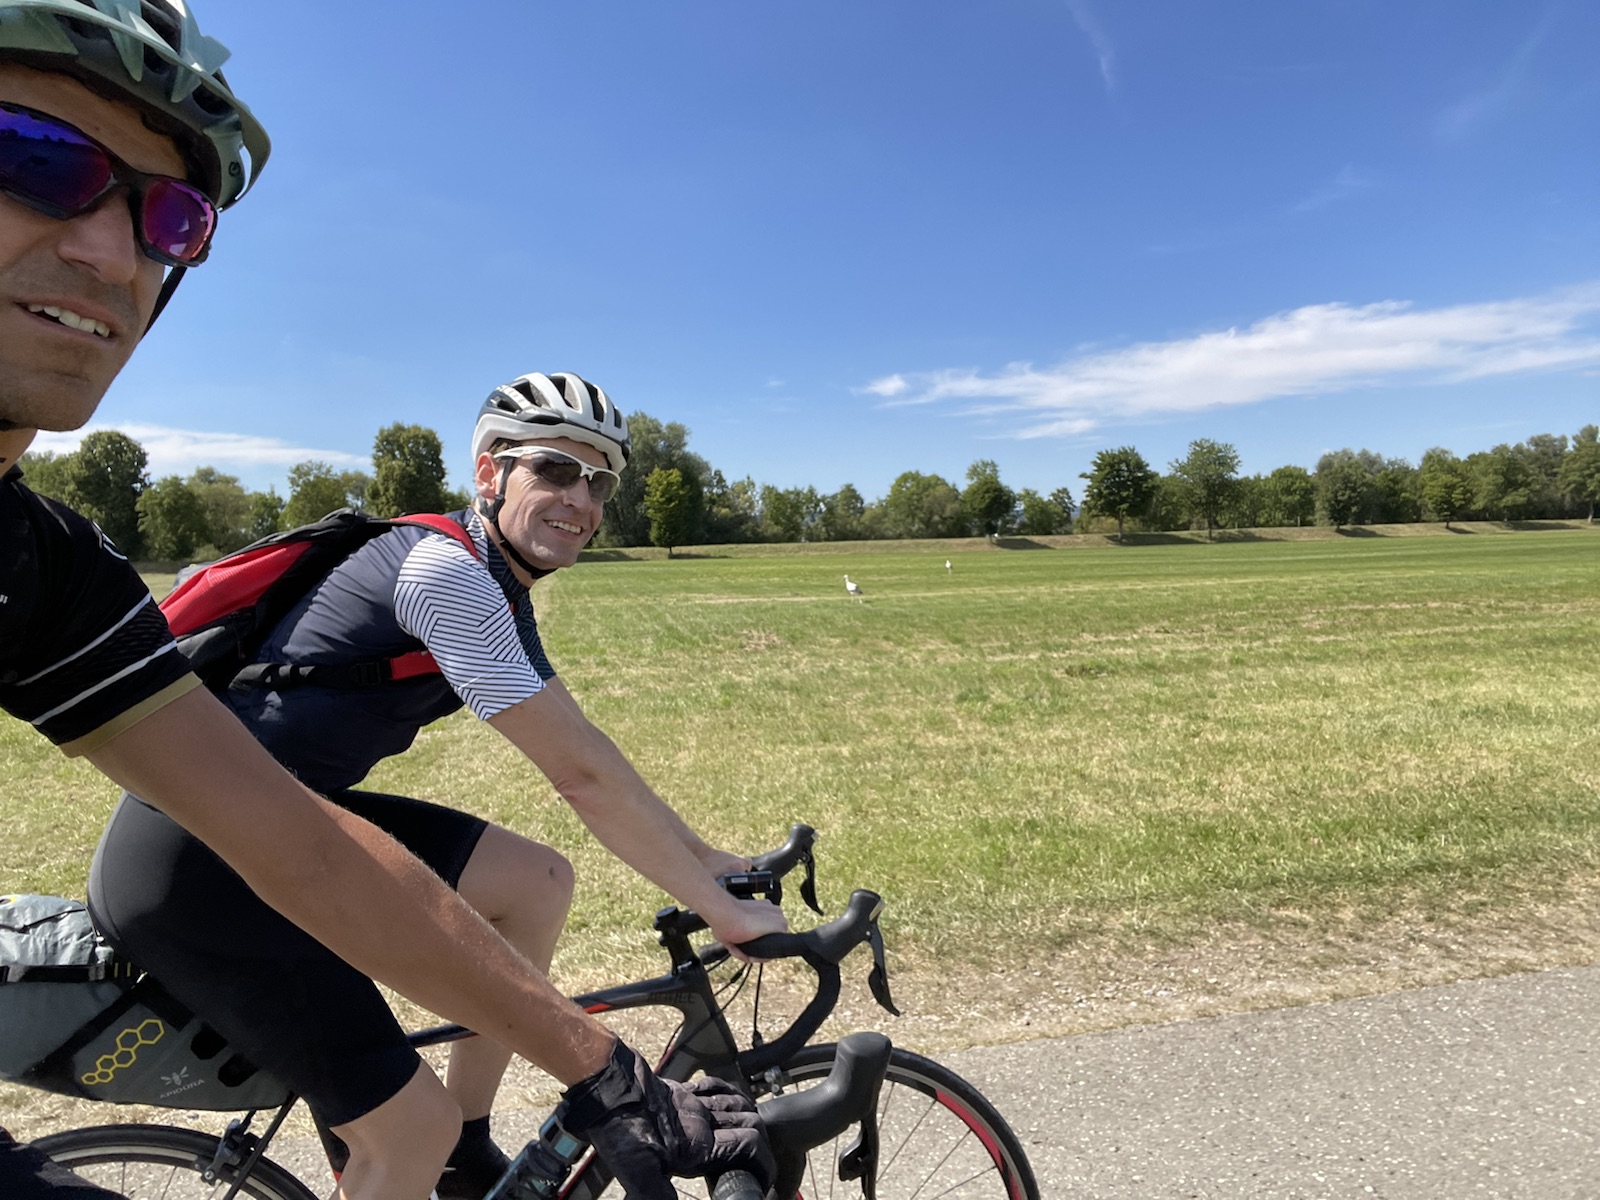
x=449 y=601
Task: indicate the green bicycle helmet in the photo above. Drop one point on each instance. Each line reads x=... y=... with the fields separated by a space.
x=152 y=53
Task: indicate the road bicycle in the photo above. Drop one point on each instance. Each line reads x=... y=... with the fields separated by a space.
x=921 y=1131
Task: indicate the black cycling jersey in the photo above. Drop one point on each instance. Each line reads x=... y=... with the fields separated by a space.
x=84 y=651
x=410 y=589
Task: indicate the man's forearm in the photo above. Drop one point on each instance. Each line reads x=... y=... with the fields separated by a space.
x=348 y=884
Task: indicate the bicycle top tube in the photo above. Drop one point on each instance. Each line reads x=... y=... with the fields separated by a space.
x=822 y=949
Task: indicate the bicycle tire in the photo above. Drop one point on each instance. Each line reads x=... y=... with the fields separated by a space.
x=940 y=1136
x=161 y=1162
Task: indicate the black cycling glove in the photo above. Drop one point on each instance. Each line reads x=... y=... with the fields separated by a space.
x=647 y=1129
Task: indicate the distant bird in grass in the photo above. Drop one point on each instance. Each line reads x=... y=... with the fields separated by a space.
x=947 y=565
x=854 y=588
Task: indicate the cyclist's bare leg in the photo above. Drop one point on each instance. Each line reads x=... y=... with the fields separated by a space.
x=398 y=1150
x=523 y=889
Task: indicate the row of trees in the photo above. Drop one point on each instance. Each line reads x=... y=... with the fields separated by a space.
x=1545 y=477
x=209 y=513
x=672 y=497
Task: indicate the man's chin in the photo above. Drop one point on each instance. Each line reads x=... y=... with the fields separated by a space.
x=50 y=410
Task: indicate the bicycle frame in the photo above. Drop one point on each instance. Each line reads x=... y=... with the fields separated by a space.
x=704 y=1040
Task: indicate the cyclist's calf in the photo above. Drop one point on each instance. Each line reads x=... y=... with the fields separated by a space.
x=399 y=1149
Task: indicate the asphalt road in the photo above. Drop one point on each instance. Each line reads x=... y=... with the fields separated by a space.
x=1476 y=1089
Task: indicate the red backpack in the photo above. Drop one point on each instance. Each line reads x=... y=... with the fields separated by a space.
x=222 y=613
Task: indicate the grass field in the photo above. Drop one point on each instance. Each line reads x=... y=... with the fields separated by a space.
x=1221 y=762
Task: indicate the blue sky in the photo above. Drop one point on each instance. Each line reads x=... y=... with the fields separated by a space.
x=841 y=240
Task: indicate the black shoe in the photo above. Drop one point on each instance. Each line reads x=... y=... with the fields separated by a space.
x=472 y=1171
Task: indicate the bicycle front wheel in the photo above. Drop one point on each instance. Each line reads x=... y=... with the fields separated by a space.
x=938 y=1135
x=159 y=1162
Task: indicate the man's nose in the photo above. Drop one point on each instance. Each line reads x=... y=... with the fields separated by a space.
x=103 y=241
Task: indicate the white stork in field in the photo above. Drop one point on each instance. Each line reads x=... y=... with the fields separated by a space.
x=947 y=565
x=853 y=588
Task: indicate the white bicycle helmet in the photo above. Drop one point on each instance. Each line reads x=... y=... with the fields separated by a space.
x=152 y=53
x=535 y=407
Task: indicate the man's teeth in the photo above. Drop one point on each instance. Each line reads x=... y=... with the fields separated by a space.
x=562 y=525
x=72 y=320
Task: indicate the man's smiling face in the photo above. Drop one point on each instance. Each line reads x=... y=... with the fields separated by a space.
x=548 y=525
x=75 y=295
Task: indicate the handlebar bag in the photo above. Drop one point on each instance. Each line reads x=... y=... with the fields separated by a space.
x=77 y=1019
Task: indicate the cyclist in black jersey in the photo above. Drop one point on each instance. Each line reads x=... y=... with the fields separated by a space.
x=549 y=450
x=120 y=142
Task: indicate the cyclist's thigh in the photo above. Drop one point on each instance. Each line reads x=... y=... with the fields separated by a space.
x=281 y=999
x=25 y=1174
x=444 y=838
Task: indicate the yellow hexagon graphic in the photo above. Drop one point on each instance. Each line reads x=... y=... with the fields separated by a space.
x=147 y=1033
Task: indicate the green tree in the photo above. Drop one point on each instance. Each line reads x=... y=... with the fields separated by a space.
x=989 y=505
x=732 y=510
x=1170 y=507
x=1504 y=482
x=1121 y=485
x=47 y=474
x=789 y=514
x=1446 y=487
x=357 y=485
x=1580 y=469
x=1344 y=488
x=1037 y=516
x=315 y=490
x=104 y=481
x=654 y=445
x=408 y=472
x=840 y=515
x=1544 y=453
x=1290 y=497
x=266 y=514
x=1210 y=475
x=922 y=506
x=1062 y=499
x=1397 y=493
x=172 y=519
x=227 y=509
x=669 y=502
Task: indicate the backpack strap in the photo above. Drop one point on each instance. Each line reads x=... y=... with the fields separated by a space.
x=355 y=676
x=440 y=523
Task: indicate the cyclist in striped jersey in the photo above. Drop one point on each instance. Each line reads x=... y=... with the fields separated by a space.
x=548 y=452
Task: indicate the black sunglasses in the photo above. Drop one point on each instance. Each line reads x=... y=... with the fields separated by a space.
x=562 y=470
x=62 y=172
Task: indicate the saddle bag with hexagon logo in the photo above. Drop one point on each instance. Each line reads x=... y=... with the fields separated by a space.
x=77 y=1019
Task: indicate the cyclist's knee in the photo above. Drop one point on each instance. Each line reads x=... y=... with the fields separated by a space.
x=558 y=873
x=510 y=874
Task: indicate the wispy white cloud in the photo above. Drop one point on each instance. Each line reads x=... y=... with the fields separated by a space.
x=1104 y=50
x=1316 y=350
x=1465 y=116
x=180 y=451
x=889 y=385
x=1347 y=183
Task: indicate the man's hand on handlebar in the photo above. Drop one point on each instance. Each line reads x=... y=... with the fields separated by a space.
x=743 y=921
x=647 y=1129
x=723 y=862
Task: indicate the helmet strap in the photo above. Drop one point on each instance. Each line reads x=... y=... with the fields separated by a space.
x=168 y=286
x=490 y=512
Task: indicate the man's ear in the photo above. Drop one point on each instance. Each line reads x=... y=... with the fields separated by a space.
x=487 y=476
